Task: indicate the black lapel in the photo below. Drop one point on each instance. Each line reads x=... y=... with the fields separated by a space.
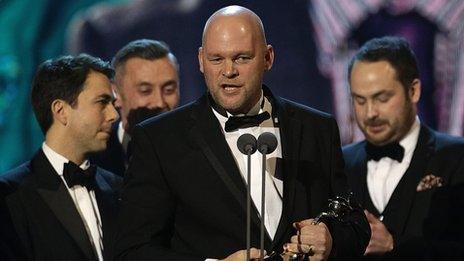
x=358 y=173
x=398 y=208
x=290 y=132
x=206 y=132
x=107 y=206
x=56 y=196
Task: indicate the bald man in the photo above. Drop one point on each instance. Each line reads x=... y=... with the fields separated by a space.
x=185 y=193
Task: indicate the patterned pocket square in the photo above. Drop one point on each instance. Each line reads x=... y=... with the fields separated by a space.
x=428 y=182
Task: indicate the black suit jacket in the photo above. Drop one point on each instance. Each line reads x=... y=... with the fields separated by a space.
x=184 y=197
x=113 y=158
x=41 y=221
x=424 y=224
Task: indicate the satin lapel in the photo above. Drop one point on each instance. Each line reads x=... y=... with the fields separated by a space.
x=206 y=132
x=107 y=206
x=359 y=176
x=56 y=196
x=398 y=208
x=290 y=132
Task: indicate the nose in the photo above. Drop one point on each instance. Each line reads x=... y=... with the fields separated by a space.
x=371 y=110
x=112 y=114
x=157 y=99
x=229 y=70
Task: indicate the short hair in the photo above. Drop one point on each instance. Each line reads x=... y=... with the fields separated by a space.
x=394 y=50
x=143 y=48
x=62 y=78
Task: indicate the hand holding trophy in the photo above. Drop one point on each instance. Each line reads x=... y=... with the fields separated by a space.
x=337 y=210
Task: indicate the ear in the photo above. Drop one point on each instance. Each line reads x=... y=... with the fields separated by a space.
x=200 y=59
x=415 y=91
x=269 y=57
x=59 y=113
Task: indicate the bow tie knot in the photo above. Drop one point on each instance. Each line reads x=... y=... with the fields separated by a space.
x=392 y=150
x=74 y=175
x=237 y=122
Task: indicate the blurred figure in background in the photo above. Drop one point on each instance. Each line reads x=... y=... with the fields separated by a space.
x=147 y=84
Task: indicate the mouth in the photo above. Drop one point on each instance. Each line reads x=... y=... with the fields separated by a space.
x=230 y=88
x=376 y=127
x=106 y=132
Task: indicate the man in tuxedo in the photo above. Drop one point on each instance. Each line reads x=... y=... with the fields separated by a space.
x=404 y=173
x=57 y=206
x=185 y=192
x=147 y=84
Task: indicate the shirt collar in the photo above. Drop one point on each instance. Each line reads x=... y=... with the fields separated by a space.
x=120 y=132
x=57 y=160
x=409 y=141
x=256 y=109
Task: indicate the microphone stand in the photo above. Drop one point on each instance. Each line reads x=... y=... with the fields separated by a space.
x=248 y=221
x=246 y=143
x=267 y=143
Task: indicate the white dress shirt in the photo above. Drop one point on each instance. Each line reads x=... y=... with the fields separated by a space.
x=274 y=186
x=84 y=200
x=384 y=175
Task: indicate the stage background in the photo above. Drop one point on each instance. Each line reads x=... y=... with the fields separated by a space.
x=313 y=41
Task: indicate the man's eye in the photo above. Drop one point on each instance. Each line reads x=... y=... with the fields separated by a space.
x=383 y=98
x=360 y=101
x=145 y=91
x=169 y=90
x=215 y=60
x=242 y=59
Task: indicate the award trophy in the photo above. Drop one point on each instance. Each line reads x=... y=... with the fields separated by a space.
x=337 y=209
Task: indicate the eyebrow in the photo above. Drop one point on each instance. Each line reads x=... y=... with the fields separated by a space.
x=144 y=83
x=169 y=82
x=105 y=96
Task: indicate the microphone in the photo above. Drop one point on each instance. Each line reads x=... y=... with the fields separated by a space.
x=246 y=144
x=267 y=143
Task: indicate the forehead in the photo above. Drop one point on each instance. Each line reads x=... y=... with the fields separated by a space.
x=373 y=77
x=230 y=33
x=135 y=68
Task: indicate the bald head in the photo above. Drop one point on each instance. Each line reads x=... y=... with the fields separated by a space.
x=233 y=58
x=235 y=15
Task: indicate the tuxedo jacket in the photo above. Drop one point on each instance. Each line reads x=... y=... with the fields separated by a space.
x=40 y=220
x=114 y=158
x=427 y=223
x=185 y=199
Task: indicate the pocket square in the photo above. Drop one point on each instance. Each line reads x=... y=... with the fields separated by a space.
x=428 y=182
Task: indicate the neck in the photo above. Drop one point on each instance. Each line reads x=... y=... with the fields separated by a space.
x=61 y=144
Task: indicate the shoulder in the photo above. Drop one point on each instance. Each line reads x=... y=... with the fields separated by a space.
x=112 y=179
x=303 y=110
x=307 y=115
x=11 y=180
x=353 y=148
x=448 y=142
x=353 y=154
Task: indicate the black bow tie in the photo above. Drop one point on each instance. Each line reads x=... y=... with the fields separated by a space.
x=392 y=150
x=74 y=175
x=237 y=122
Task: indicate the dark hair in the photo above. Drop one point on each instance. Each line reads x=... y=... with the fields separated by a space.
x=394 y=50
x=142 y=48
x=62 y=78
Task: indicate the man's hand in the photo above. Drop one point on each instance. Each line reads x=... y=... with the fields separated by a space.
x=312 y=239
x=381 y=240
x=241 y=255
